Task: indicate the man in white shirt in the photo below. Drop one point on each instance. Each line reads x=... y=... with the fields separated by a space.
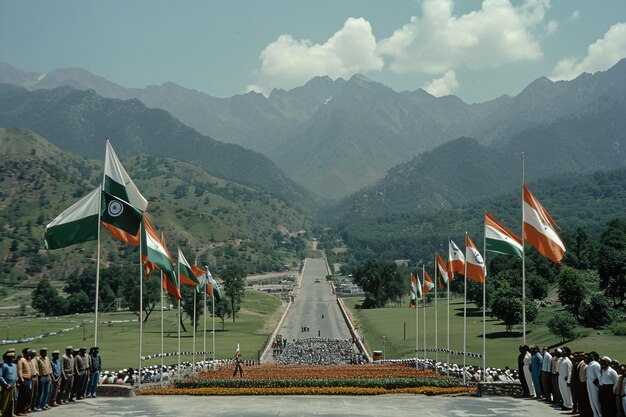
x=565 y=370
x=593 y=383
x=546 y=382
x=608 y=380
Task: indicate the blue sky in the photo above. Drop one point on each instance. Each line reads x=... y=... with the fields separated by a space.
x=475 y=49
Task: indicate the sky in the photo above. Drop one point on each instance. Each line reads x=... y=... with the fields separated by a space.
x=477 y=50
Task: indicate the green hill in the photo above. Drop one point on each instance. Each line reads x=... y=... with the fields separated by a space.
x=220 y=220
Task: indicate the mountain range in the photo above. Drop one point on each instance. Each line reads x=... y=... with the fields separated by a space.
x=336 y=136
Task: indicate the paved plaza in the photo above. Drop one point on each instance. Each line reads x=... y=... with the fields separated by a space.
x=292 y=406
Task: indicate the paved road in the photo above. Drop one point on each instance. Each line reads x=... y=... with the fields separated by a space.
x=314 y=300
x=292 y=406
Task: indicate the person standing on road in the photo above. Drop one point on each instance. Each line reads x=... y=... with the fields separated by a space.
x=67 y=376
x=96 y=368
x=527 y=374
x=56 y=378
x=593 y=384
x=535 y=369
x=25 y=382
x=34 y=369
x=608 y=380
x=565 y=371
x=546 y=383
x=45 y=379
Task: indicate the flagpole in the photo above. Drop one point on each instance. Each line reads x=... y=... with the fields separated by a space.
x=484 y=308
x=140 y=306
x=424 y=315
x=162 y=349
x=523 y=263
x=95 y=320
x=213 y=308
x=465 y=317
x=417 y=320
x=436 y=317
x=178 y=284
x=448 y=291
x=204 y=333
x=193 y=353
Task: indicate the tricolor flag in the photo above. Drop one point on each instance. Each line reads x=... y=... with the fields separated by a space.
x=214 y=287
x=203 y=278
x=442 y=270
x=539 y=229
x=501 y=240
x=474 y=261
x=117 y=183
x=77 y=224
x=413 y=292
x=456 y=261
x=120 y=218
x=428 y=283
x=186 y=272
x=156 y=254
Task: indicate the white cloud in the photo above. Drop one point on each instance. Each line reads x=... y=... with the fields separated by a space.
x=288 y=62
x=443 y=86
x=552 y=27
x=497 y=34
x=575 y=15
x=601 y=55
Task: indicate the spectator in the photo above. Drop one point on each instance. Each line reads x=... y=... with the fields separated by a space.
x=546 y=383
x=593 y=384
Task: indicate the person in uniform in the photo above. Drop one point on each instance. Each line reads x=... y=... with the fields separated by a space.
x=8 y=378
x=25 y=382
x=34 y=369
x=96 y=368
x=546 y=383
x=79 y=370
x=56 y=378
x=608 y=380
x=45 y=378
x=67 y=375
x=593 y=384
x=86 y=371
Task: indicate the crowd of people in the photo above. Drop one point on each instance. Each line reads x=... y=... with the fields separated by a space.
x=33 y=382
x=319 y=351
x=581 y=382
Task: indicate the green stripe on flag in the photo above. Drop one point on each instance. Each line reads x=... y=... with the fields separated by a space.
x=502 y=247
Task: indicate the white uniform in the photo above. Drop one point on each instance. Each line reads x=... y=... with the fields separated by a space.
x=529 y=378
x=593 y=390
x=565 y=370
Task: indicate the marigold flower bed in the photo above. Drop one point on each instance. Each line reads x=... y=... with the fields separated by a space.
x=316 y=380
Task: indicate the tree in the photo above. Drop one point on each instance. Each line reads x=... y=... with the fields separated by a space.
x=382 y=282
x=46 y=299
x=187 y=304
x=564 y=325
x=151 y=292
x=597 y=313
x=79 y=303
x=507 y=309
x=536 y=286
x=612 y=261
x=222 y=309
x=234 y=279
x=572 y=290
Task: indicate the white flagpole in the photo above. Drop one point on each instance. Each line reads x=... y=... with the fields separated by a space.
x=178 y=283
x=484 y=308
x=417 y=320
x=95 y=320
x=436 y=316
x=162 y=348
x=193 y=353
x=140 y=306
x=204 y=334
x=450 y=274
x=523 y=263
x=213 y=308
x=465 y=318
x=424 y=304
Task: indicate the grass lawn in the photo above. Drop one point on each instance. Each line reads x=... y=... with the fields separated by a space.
x=502 y=350
x=119 y=342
